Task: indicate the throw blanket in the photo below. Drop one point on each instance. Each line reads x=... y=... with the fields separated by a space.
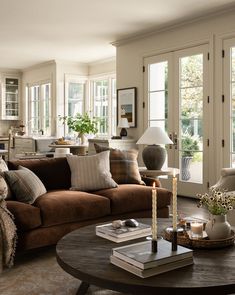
x=8 y=236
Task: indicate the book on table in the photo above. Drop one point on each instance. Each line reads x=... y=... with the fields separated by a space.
x=145 y=273
x=141 y=255
x=124 y=233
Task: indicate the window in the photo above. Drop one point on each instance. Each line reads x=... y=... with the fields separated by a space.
x=39 y=108
x=105 y=105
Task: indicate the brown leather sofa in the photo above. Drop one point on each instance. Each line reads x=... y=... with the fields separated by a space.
x=60 y=210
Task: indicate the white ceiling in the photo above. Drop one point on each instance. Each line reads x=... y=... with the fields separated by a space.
x=34 y=31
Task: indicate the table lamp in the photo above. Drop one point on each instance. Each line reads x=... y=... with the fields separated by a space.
x=123 y=123
x=153 y=154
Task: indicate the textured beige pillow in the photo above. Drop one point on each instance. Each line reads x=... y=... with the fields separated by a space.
x=123 y=165
x=90 y=172
x=3 y=188
x=5 y=191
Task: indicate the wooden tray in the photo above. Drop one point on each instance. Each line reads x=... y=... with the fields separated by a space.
x=184 y=239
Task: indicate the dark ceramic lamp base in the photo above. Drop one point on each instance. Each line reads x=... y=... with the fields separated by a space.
x=154 y=157
x=123 y=132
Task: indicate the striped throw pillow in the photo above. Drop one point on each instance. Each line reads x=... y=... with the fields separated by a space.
x=25 y=185
x=123 y=165
x=90 y=172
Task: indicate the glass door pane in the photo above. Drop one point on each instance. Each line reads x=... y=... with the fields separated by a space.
x=191 y=118
x=158 y=95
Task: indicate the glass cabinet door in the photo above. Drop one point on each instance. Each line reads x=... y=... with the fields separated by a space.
x=10 y=99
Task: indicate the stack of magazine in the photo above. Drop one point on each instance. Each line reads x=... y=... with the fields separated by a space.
x=141 y=261
x=123 y=233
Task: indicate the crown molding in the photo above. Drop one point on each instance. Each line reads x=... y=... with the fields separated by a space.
x=171 y=26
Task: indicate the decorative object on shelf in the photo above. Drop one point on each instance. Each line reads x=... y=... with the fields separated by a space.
x=189 y=147
x=218 y=204
x=153 y=154
x=154 y=219
x=123 y=123
x=126 y=105
x=82 y=124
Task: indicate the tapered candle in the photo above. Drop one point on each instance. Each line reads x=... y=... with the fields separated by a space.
x=174 y=201
x=154 y=212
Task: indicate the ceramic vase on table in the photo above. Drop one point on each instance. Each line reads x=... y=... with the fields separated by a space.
x=218 y=228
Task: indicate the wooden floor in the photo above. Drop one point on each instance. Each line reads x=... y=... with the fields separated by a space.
x=188 y=207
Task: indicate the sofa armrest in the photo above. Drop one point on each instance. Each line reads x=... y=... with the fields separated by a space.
x=26 y=216
x=150 y=180
x=227 y=180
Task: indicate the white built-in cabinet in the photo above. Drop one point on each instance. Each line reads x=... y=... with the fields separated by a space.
x=10 y=97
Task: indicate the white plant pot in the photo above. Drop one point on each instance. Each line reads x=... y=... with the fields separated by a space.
x=218 y=228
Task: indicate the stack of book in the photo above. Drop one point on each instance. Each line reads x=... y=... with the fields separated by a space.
x=123 y=233
x=141 y=261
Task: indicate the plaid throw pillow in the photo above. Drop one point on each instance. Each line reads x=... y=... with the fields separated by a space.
x=123 y=165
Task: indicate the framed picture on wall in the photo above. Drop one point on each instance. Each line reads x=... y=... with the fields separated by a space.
x=126 y=105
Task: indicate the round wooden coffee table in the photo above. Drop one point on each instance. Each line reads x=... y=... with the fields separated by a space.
x=86 y=256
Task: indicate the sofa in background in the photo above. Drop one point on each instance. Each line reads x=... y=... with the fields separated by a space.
x=61 y=210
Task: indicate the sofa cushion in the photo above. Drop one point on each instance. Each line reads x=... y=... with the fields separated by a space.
x=25 y=184
x=131 y=197
x=91 y=172
x=64 y=206
x=26 y=216
x=53 y=172
x=123 y=165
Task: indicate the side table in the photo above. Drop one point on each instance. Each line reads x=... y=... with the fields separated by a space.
x=156 y=173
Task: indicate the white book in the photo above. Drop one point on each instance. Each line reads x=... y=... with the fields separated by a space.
x=145 y=273
x=141 y=255
x=122 y=239
x=123 y=231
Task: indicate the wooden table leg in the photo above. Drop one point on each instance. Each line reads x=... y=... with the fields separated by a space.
x=82 y=288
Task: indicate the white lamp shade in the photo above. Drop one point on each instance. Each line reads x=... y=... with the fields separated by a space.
x=154 y=135
x=123 y=123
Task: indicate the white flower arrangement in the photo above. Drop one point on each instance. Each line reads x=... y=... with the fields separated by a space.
x=217 y=202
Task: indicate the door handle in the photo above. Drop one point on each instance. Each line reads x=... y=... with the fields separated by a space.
x=175 y=140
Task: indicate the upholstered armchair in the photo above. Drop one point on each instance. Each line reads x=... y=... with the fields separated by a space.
x=227 y=182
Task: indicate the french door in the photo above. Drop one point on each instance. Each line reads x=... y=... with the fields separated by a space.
x=176 y=96
x=229 y=103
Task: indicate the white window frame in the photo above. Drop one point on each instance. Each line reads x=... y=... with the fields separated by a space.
x=41 y=109
x=111 y=117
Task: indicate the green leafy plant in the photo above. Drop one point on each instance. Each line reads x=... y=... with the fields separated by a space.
x=189 y=145
x=82 y=124
x=217 y=202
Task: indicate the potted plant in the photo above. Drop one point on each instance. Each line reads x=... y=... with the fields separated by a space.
x=82 y=124
x=189 y=145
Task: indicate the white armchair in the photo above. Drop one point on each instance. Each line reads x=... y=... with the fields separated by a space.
x=227 y=182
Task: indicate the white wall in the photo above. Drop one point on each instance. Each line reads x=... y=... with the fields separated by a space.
x=102 y=67
x=131 y=53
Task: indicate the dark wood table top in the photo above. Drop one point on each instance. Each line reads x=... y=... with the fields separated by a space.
x=86 y=256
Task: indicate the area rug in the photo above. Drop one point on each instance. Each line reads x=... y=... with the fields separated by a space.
x=37 y=273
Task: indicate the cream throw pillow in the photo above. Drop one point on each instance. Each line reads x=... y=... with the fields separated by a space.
x=5 y=192
x=90 y=172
